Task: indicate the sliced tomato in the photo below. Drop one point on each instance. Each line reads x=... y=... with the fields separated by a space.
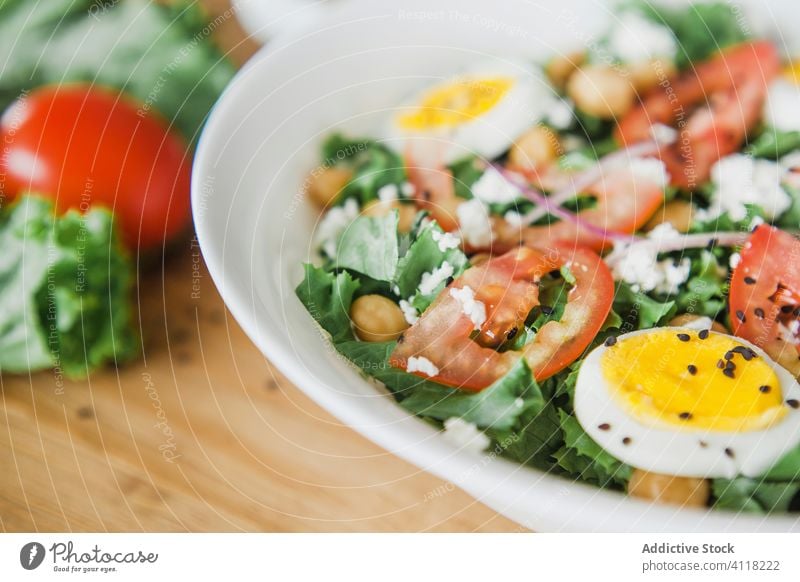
x=625 y=202
x=765 y=295
x=434 y=190
x=714 y=105
x=508 y=287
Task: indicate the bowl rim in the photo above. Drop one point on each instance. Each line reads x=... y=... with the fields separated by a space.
x=589 y=508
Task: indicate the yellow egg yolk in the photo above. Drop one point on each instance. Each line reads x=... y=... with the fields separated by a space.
x=791 y=71
x=691 y=379
x=457 y=102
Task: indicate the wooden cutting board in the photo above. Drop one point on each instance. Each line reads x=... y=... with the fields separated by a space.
x=202 y=434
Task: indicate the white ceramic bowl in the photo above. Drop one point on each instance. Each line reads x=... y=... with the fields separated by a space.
x=254 y=226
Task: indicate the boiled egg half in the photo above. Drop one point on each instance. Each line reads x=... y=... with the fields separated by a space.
x=480 y=112
x=688 y=402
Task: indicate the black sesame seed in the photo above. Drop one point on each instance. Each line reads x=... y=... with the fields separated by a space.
x=759 y=313
x=512 y=333
x=604 y=426
x=720 y=364
x=711 y=244
x=796 y=311
x=401 y=339
x=626 y=440
x=449 y=281
x=745 y=352
x=685 y=416
x=684 y=337
x=728 y=372
x=729 y=355
x=703 y=334
x=740 y=315
x=729 y=452
x=793 y=403
x=610 y=341
x=703 y=444
x=730 y=365
x=787 y=308
x=764 y=389
x=692 y=369
x=749 y=281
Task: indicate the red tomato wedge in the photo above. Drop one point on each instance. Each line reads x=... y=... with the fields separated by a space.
x=85 y=145
x=765 y=295
x=713 y=105
x=625 y=202
x=508 y=287
x=434 y=191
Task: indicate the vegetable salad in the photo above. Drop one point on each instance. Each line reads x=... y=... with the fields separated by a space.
x=588 y=264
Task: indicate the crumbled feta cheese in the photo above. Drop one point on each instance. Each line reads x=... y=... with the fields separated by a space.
x=421 y=364
x=409 y=312
x=757 y=221
x=637 y=264
x=445 y=240
x=407 y=189
x=559 y=115
x=700 y=323
x=492 y=187
x=635 y=39
x=333 y=224
x=733 y=262
x=465 y=435
x=430 y=281
x=388 y=193
x=472 y=308
x=650 y=169
x=782 y=106
x=476 y=228
x=663 y=134
x=790 y=333
x=739 y=179
x=664 y=231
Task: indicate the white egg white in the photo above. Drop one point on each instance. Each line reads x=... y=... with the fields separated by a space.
x=530 y=100
x=682 y=451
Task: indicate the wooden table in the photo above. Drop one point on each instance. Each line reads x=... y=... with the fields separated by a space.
x=202 y=434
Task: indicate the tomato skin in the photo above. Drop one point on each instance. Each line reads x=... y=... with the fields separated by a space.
x=86 y=146
x=766 y=279
x=508 y=287
x=733 y=84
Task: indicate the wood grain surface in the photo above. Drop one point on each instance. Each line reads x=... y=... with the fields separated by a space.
x=202 y=434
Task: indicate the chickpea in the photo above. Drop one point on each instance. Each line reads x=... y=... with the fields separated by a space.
x=679 y=213
x=687 y=318
x=669 y=489
x=324 y=184
x=535 y=148
x=377 y=319
x=601 y=91
x=405 y=212
x=559 y=68
x=647 y=75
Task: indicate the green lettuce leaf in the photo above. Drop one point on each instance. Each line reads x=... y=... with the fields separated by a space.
x=327 y=297
x=369 y=246
x=755 y=496
x=639 y=311
x=583 y=458
x=423 y=256
x=65 y=285
x=773 y=144
x=498 y=406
